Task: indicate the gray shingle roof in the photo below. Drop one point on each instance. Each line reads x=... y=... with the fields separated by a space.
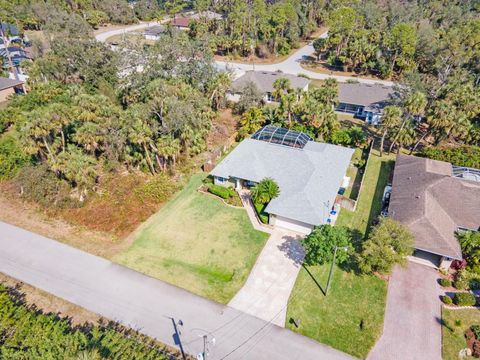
x=264 y=80
x=374 y=97
x=6 y=83
x=308 y=178
x=154 y=30
x=433 y=203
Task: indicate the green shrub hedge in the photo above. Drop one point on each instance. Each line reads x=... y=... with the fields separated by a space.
x=464 y=299
x=445 y=282
x=447 y=300
x=222 y=191
x=468 y=156
x=262 y=215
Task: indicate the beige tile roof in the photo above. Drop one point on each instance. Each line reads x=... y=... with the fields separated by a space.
x=433 y=203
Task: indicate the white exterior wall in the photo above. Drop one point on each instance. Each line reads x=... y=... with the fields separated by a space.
x=233 y=97
x=152 y=37
x=445 y=263
x=290 y=224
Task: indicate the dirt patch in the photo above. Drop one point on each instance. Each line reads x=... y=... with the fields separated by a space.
x=124 y=202
x=224 y=128
x=30 y=217
x=323 y=67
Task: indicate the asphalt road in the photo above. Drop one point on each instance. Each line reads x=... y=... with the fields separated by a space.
x=148 y=305
x=291 y=65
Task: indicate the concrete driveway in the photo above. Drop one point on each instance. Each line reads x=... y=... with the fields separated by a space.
x=412 y=327
x=268 y=287
x=151 y=306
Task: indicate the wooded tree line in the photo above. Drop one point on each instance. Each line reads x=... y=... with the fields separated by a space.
x=81 y=118
x=25 y=333
x=36 y=14
x=390 y=38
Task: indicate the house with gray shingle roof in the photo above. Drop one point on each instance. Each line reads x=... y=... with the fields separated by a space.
x=264 y=80
x=365 y=101
x=309 y=175
x=435 y=199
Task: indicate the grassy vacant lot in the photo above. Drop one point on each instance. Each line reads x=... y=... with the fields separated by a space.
x=350 y=318
x=198 y=243
x=453 y=339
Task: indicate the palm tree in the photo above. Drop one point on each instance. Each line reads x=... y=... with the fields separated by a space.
x=390 y=119
x=281 y=86
x=265 y=191
x=405 y=136
x=217 y=89
x=414 y=105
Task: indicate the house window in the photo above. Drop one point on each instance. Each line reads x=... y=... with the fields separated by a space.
x=270 y=97
x=221 y=180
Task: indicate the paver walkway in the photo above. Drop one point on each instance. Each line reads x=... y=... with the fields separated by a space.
x=147 y=304
x=268 y=287
x=412 y=327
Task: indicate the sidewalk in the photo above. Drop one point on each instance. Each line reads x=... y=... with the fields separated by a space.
x=252 y=214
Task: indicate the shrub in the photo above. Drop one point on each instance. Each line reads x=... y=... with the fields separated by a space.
x=458 y=323
x=461 y=280
x=447 y=300
x=12 y=158
x=389 y=243
x=319 y=245
x=222 y=191
x=466 y=155
x=474 y=284
x=476 y=330
x=464 y=299
x=262 y=215
x=40 y=185
x=476 y=349
x=445 y=282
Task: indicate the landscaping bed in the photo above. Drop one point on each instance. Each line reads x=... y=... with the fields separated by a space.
x=457 y=332
x=198 y=243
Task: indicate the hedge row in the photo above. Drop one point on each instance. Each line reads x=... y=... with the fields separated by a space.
x=464 y=299
x=468 y=156
x=222 y=191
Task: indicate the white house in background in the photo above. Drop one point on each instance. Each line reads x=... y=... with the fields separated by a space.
x=153 y=32
x=264 y=81
x=308 y=173
x=364 y=101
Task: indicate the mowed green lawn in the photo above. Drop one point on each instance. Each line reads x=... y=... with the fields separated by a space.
x=198 y=243
x=453 y=338
x=350 y=318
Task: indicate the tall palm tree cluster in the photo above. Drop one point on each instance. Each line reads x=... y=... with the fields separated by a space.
x=451 y=115
x=311 y=111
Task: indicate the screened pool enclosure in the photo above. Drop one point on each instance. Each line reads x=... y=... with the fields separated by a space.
x=275 y=135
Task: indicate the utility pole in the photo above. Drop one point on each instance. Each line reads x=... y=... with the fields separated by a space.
x=330 y=274
x=205 y=350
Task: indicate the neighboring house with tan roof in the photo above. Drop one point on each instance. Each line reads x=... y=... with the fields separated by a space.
x=9 y=87
x=435 y=199
x=263 y=81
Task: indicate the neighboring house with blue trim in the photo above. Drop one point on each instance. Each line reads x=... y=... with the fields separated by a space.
x=364 y=101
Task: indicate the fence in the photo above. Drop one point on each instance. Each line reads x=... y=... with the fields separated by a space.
x=350 y=204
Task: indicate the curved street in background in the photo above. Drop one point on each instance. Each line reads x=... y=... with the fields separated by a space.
x=291 y=65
